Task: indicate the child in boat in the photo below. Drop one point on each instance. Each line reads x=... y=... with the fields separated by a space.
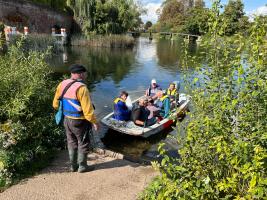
x=121 y=111
x=154 y=111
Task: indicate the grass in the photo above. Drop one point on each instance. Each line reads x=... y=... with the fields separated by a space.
x=109 y=41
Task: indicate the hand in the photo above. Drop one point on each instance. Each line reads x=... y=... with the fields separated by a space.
x=96 y=126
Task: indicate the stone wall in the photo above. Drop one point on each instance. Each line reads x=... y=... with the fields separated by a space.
x=39 y=18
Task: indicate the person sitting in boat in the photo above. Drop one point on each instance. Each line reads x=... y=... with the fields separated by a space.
x=173 y=94
x=153 y=89
x=121 y=111
x=164 y=104
x=140 y=113
x=154 y=110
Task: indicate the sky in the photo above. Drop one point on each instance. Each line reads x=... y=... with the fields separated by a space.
x=251 y=7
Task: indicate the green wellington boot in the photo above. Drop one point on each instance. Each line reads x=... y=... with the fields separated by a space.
x=82 y=160
x=73 y=160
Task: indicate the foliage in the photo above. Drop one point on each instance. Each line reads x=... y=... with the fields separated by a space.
x=111 y=41
x=148 y=25
x=234 y=17
x=172 y=15
x=184 y=16
x=223 y=154
x=101 y=16
x=104 y=17
x=196 y=21
x=2 y=38
x=27 y=129
x=34 y=42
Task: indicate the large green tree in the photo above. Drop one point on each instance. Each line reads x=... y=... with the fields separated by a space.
x=196 y=19
x=172 y=15
x=234 y=17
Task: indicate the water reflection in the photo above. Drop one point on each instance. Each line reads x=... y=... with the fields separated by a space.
x=113 y=70
x=100 y=62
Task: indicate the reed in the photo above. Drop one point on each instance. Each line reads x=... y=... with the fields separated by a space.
x=108 y=41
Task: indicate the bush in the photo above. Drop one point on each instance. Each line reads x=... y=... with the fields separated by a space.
x=27 y=129
x=223 y=155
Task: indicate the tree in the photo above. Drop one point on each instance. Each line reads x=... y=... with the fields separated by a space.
x=196 y=19
x=172 y=14
x=233 y=13
x=148 y=25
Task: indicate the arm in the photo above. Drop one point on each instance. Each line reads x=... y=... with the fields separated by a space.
x=56 y=97
x=138 y=122
x=86 y=104
x=147 y=91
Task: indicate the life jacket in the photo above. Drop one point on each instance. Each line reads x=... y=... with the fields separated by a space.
x=121 y=111
x=118 y=99
x=172 y=93
x=71 y=105
x=116 y=109
x=160 y=102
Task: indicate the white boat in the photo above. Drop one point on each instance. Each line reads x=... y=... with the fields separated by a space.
x=128 y=127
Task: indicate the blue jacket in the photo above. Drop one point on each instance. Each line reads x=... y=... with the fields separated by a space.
x=121 y=111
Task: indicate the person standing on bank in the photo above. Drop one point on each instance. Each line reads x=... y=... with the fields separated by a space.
x=79 y=116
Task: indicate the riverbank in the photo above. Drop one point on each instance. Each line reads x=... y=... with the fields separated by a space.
x=111 y=179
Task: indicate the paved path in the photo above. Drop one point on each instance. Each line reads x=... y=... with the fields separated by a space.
x=113 y=179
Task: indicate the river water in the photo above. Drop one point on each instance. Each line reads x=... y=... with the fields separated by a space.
x=113 y=70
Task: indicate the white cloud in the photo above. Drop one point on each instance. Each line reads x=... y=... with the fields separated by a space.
x=259 y=11
x=151 y=12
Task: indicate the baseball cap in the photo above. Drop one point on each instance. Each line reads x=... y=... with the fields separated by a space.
x=153 y=81
x=77 y=69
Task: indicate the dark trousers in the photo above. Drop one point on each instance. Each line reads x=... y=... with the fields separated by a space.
x=77 y=132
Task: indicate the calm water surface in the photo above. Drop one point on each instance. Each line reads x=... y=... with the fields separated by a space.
x=113 y=70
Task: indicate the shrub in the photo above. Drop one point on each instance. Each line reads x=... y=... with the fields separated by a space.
x=223 y=155
x=27 y=129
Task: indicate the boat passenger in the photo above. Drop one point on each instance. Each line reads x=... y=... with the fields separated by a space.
x=140 y=113
x=164 y=104
x=153 y=89
x=154 y=111
x=173 y=94
x=121 y=112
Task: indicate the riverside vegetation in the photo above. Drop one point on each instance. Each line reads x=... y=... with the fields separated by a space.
x=223 y=153
x=28 y=133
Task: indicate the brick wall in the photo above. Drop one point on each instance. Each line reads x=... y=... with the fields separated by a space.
x=39 y=18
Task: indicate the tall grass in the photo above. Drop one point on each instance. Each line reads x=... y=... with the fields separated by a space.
x=37 y=42
x=109 y=41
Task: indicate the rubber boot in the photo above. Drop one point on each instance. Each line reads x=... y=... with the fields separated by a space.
x=73 y=160
x=82 y=160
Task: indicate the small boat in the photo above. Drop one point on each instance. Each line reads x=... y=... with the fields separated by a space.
x=128 y=127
